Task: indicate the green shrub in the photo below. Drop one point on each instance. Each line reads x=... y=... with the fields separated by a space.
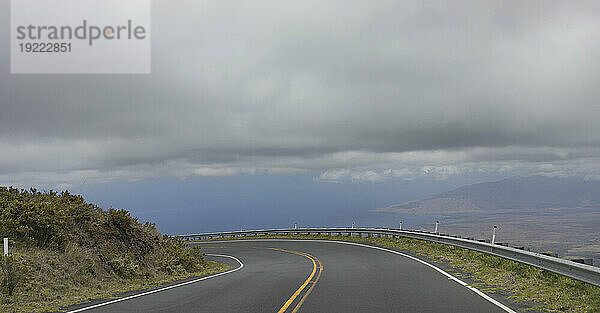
x=120 y=219
x=125 y=266
x=34 y=217
x=177 y=258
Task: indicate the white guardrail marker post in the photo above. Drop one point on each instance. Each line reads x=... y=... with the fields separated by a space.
x=352 y=224
x=437 y=224
x=295 y=225
x=494 y=234
x=5 y=246
x=400 y=225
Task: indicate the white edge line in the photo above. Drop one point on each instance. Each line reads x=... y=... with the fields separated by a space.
x=165 y=288
x=477 y=291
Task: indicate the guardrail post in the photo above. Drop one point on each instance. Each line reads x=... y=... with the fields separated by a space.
x=400 y=225
x=494 y=234
x=352 y=224
x=295 y=225
x=437 y=224
x=5 y=246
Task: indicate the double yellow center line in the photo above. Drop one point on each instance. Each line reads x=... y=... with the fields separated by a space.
x=316 y=274
x=308 y=284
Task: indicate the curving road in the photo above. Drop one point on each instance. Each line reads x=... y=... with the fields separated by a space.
x=309 y=276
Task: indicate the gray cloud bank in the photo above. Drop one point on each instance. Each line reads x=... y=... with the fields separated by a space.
x=354 y=90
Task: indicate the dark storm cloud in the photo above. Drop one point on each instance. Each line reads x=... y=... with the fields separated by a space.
x=346 y=86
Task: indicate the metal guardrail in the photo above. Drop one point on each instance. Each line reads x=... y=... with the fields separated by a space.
x=583 y=272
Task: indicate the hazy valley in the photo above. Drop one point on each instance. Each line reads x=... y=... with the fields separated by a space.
x=561 y=215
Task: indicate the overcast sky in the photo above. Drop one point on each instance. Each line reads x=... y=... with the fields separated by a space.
x=353 y=91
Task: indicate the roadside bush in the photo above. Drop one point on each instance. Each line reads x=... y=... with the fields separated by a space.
x=23 y=217
x=120 y=219
x=125 y=266
x=177 y=258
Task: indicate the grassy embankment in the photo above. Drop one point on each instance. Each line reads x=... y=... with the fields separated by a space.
x=540 y=289
x=66 y=251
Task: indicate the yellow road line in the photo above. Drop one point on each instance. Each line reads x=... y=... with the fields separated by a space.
x=289 y=302
x=309 y=280
x=311 y=287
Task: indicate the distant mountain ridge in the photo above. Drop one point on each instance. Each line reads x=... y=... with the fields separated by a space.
x=533 y=192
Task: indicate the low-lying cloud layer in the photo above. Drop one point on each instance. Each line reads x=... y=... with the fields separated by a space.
x=348 y=90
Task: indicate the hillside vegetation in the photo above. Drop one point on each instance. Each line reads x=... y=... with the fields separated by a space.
x=64 y=250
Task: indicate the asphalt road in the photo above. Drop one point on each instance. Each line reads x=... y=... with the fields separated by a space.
x=311 y=276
